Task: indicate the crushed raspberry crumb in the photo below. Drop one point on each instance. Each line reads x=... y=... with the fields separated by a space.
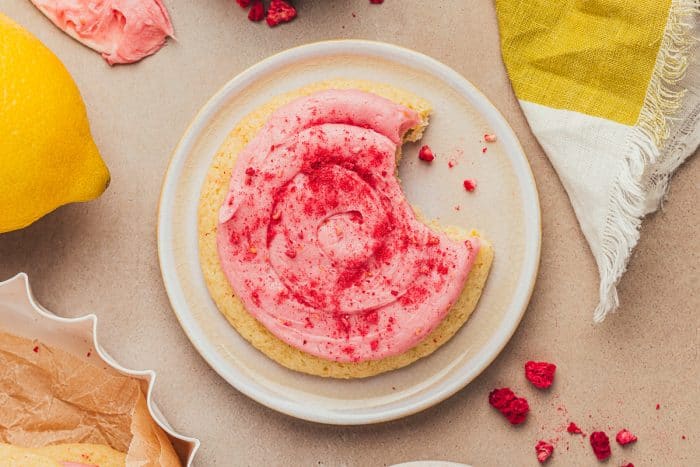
x=540 y=374
x=574 y=429
x=470 y=184
x=257 y=11
x=629 y=464
x=490 y=138
x=600 y=444
x=483 y=150
x=658 y=406
x=450 y=163
x=624 y=437
x=36 y=349
x=514 y=408
x=244 y=3
x=544 y=450
x=426 y=154
x=280 y=11
x=376 y=2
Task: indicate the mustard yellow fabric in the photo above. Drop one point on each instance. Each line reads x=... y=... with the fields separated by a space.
x=591 y=56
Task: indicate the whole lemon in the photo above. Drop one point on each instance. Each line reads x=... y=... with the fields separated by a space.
x=47 y=155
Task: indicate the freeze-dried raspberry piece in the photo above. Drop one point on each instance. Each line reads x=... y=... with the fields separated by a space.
x=540 y=374
x=376 y=2
x=574 y=429
x=244 y=3
x=624 y=436
x=469 y=184
x=257 y=12
x=512 y=407
x=501 y=398
x=544 y=451
x=600 y=444
x=426 y=154
x=629 y=464
x=280 y=11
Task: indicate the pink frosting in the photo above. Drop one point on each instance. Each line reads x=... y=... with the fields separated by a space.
x=317 y=239
x=123 y=31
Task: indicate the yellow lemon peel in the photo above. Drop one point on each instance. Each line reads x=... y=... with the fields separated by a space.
x=47 y=155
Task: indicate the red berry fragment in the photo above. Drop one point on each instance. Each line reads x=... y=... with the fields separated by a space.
x=629 y=464
x=470 y=184
x=376 y=2
x=280 y=11
x=625 y=437
x=426 y=154
x=490 y=138
x=574 y=429
x=514 y=408
x=540 y=374
x=36 y=349
x=544 y=451
x=257 y=12
x=600 y=444
x=244 y=3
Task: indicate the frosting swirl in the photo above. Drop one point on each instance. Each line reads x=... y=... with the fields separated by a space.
x=122 y=31
x=318 y=241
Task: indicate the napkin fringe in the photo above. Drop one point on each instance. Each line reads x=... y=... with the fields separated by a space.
x=646 y=171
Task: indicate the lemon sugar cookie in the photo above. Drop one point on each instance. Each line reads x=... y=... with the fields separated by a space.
x=311 y=251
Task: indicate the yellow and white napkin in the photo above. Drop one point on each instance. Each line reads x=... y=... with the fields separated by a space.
x=611 y=89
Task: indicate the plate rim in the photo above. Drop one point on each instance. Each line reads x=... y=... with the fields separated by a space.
x=239 y=380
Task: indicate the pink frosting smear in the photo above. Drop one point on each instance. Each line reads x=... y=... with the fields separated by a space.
x=122 y=31
x=317 y=239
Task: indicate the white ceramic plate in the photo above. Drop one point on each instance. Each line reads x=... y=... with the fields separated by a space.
x=504 y=208
x=430 y=464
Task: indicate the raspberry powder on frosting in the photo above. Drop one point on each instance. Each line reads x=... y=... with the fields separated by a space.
x=318 y=241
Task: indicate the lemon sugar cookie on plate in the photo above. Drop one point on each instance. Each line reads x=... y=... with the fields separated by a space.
x=297 y=217
x=309 y=247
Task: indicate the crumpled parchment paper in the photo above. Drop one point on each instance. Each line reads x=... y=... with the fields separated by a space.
x=49 y=396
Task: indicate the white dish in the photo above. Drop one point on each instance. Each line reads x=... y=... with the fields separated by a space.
x=22 y=315
x=430 y=464
x=504 y=208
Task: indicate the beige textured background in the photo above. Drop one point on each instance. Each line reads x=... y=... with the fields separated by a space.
x=101 y=257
